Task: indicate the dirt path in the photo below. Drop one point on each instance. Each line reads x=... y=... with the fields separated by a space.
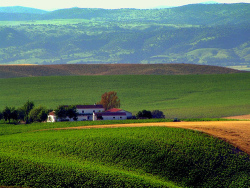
x=235 y=132
x=242 y=117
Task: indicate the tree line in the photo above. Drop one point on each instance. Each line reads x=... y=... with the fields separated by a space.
x=28 y=113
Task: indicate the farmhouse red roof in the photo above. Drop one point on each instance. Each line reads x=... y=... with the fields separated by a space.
x=114 y=110
x=52 y=113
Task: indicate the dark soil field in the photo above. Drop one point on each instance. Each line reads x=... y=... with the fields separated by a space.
x=12 y=71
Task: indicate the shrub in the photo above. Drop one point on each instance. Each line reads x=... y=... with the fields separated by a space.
x=144 y=114
x=157 y=114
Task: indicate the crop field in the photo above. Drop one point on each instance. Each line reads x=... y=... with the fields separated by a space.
x=182 y=96
x=121 y=157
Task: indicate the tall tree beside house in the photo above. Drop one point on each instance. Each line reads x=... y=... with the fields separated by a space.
x=110 y=100
x=61 y=112
x=71 y=112
x=38 y=114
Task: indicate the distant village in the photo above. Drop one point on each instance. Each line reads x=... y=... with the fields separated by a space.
x=93 y=113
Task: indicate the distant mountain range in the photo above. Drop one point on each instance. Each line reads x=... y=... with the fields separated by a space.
x=28 y=10
x=189 y=14
x=210 y=34
x=210 y=2
x=19 y=9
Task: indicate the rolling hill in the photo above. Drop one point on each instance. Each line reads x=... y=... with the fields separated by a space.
x=123 y=157
x=12 y=71
x=207 y=34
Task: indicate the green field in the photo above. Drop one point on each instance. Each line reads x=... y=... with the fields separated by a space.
x=182 y=96
x=122 y=157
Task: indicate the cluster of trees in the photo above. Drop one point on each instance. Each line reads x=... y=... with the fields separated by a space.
x=145 y=114
x=28 y=113
x=66 y=111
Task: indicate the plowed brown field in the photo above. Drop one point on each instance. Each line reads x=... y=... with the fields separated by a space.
x=236 y=133
x=11 y=71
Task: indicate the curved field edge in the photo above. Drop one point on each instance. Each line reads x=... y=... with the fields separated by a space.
x=6 y=129
x=122 y=157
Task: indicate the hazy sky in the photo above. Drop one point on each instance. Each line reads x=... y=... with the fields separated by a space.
x=107 y=4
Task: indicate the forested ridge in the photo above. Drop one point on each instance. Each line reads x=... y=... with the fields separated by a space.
x=215 y=34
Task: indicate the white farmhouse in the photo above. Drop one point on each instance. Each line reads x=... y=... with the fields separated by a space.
x=93 y=113
x=128 y=114
x=109 y=116
x=85 y=112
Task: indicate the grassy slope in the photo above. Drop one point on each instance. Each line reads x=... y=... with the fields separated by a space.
x=183 y=96
x=124 y=157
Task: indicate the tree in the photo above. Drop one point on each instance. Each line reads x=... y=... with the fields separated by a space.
x=66 y=111
x=71 y=112
x=21 y=114
x=144 y=114
x=7 y=113
x=28 y=106
x=10 y=113
x=157 y=114
x=110 y=100
x=14 y=114
x=38 y=114
x=61 y=112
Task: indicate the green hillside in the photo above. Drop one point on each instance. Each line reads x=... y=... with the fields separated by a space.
x=173 y=35
x=122 y=157
x=183 y=96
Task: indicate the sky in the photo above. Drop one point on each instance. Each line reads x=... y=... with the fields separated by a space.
x=107 y=4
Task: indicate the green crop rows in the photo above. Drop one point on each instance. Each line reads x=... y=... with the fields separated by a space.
x=182 y=96
x=123 y=157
